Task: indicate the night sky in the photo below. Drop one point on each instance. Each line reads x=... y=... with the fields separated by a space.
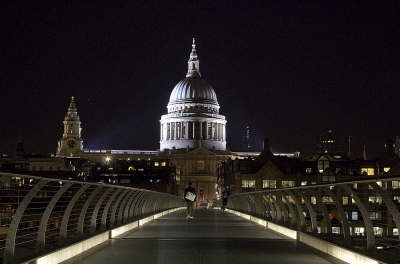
x=286 y=69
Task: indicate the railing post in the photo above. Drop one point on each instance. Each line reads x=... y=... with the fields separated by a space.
x=389 y=203
x=327 y=220
x=40 y=243
x=299 y=209
x=346 y=226
x=9 y=253
x=93 y=222
x=310 y=210
x=371 y=242
x=67 y=213
x=116 y=207
x=107 y=208
x=292 y=213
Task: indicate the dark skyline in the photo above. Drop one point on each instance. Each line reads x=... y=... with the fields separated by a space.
x=287 y=69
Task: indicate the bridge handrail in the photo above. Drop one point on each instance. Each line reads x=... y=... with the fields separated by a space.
x=40 y=214
x=360 y=215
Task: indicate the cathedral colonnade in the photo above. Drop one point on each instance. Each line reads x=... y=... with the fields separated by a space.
x=196 y=130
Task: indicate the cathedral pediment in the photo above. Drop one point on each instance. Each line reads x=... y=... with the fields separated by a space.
x=201 y=151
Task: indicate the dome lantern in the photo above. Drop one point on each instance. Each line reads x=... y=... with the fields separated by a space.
x=193 y=63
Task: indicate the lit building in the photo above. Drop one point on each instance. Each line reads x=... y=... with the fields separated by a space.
x=247 y=140
x=327 y=141
x=192 y=147
x=193 y=118
x=71 y=143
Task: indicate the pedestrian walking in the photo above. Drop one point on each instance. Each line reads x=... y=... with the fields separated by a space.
x=225 y=194
x=190 y=198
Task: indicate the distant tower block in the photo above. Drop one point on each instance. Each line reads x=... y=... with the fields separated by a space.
x=327 y=142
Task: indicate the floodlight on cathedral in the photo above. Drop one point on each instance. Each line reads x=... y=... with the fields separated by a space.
x=193 y=118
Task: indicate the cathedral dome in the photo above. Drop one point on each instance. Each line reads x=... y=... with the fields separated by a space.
x=193 y=90
x=193 y=118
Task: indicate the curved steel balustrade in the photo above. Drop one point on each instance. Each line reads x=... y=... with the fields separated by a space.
x=38 y=215
x=360 y=215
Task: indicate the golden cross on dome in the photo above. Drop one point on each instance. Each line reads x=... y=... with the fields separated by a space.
x=193 y=45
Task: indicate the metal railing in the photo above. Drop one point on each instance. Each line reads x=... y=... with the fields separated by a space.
x=360 y=215
x=39 y=215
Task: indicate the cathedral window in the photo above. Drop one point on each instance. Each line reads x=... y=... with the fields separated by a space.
x=200 y=165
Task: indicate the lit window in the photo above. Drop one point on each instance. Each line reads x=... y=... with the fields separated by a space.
x=156 y=164
x=267 y=184
x=163 y=164
x=374 y=215
x=368 y=171
x=287 y=184
x=313 y=200
x=327 y=200
x=323 y=163
x=303 y=183
x=354 y=215
x=308 y=170
x=396 y=184
x=328 y=178
x=313 y=182
x=386 y=169
x=375 y=199
x=360 y=230
x=380 y=184
x=248 y=185
x=345 y=200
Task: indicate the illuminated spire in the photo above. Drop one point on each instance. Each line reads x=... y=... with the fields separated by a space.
x=72 y=104
x=193 y=63
x=365 y=154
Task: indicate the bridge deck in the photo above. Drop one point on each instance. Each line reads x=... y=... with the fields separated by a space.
x=212 y=236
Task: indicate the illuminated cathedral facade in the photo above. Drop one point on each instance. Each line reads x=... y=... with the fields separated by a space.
x=192 y=137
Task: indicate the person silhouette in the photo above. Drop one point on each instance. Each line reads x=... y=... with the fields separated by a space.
x=190 y=197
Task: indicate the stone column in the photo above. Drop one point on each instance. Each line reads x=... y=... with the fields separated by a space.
x=201 y=129
x=161 y=131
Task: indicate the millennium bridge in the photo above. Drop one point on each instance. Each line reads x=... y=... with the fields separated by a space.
x=49 y=220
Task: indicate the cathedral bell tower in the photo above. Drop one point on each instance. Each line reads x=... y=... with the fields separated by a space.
x=71 y=143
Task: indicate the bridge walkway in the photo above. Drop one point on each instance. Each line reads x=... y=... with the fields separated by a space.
x=212 y=236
